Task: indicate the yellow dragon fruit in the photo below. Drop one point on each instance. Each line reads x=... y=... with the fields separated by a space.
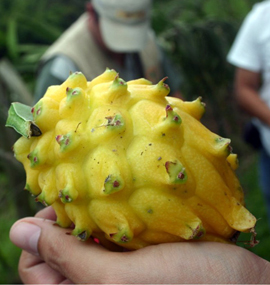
x=124 y=163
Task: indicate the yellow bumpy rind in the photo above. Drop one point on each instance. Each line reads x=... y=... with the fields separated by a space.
x=128 y=165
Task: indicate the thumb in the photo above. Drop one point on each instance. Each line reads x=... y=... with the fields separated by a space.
x=81 y=262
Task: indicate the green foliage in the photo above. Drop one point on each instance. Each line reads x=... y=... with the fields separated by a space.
x=9 y=254
x=28 y=27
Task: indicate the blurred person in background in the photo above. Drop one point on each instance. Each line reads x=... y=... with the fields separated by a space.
x=250 y=53
x=111 y=34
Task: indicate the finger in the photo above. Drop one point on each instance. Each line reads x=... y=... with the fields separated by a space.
x=33 y=270
x=80 y=262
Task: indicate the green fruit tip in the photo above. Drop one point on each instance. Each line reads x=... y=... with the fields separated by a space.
x=176 y=171
x=224 y=145
x=34 y=158
x=119 y=81
x=73 y=92
x=197 y=232
x=63 y=140
x=201 y=102
x=110 y=70
x=116 y=121
x=112 y=184
x=172 y=116
x=65 y=198
x=120 y=237
x=162 y=84
x=40 y=198
x=82 y=235
x=75 y=73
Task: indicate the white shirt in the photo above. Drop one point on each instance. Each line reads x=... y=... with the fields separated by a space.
x=251 y=51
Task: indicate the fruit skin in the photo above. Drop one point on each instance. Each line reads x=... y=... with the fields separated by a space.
x=125 y=163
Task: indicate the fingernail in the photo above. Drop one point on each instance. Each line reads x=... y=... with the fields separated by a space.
x=26 y=236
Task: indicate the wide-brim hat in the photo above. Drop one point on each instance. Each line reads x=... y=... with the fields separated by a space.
x=124 y=24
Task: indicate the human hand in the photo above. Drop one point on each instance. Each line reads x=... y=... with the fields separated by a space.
x=51 y=256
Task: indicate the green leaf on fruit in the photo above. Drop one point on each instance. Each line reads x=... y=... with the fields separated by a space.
x=20 y=118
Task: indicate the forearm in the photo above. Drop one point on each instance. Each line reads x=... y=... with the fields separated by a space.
x=250 y=101
x=247 y=85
